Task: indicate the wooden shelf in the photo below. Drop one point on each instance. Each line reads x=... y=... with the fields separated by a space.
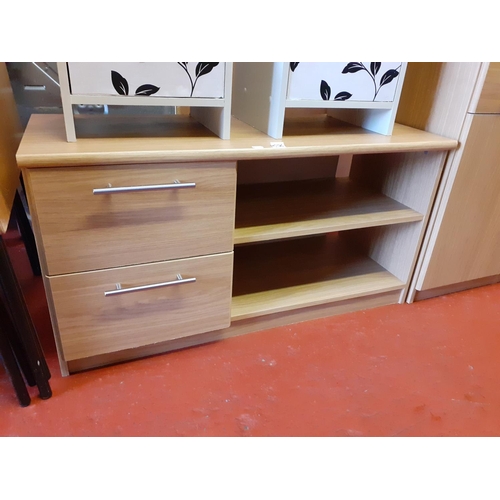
x=300 y=208
x=287 y=275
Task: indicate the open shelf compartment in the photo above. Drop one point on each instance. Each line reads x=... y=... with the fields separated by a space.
x=295 y=197
x=277 y=210
x=290 y=274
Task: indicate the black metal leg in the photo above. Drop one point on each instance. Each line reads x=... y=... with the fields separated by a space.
x=17 y=349
x=26 y=231
x=23 y=324
x=9 y=359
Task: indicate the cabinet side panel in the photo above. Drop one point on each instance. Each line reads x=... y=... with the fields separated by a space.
x=489 y=98
x=259 y=92
x=436 y=96
x=218 y=120
x=43 y=264
x=215 y=119
x=393 y=247
x=69 y=121
x=411 y=179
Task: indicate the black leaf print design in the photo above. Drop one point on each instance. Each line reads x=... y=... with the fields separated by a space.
x=353 y=67
x=147 y=89
x=293 y=65
x=119 y=83
x=342 y=96
x=388 y=76
x=325 y=90
x=374 y=68
x=203 y=68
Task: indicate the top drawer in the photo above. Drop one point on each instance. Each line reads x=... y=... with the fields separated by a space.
x=164 y=212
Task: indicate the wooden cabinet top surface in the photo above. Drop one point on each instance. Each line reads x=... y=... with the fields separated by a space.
x=177 y=138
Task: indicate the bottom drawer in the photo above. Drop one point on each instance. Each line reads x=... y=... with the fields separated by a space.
x=149 y=303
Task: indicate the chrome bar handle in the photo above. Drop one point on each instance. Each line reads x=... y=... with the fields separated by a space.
x=154 y=187
x=179 y=281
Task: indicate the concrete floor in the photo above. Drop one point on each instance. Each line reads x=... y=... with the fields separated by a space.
x=425 y=369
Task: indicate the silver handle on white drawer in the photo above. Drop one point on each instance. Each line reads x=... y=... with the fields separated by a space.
x=179 y=281
x=154 y=187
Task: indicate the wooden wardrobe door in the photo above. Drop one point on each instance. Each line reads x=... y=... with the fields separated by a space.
x=467 y=246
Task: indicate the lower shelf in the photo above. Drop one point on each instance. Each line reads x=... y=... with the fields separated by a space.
x=286 y=275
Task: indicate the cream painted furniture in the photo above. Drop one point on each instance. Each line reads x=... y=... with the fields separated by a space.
x=153 y=244
x=204 y=87
x=461 y=246
x=364 y=94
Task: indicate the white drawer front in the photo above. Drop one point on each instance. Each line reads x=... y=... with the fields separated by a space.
x=156 y=79
x=343 y=81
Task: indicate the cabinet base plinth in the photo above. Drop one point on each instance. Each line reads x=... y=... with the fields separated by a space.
x=239 y=328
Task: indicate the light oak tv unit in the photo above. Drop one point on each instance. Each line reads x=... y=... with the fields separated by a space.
x=150 y=244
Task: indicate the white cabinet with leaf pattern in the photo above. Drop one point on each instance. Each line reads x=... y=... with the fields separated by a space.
x=362 y=93
x=203 y=86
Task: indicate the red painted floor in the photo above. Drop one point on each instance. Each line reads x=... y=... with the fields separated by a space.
x=425 y=369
